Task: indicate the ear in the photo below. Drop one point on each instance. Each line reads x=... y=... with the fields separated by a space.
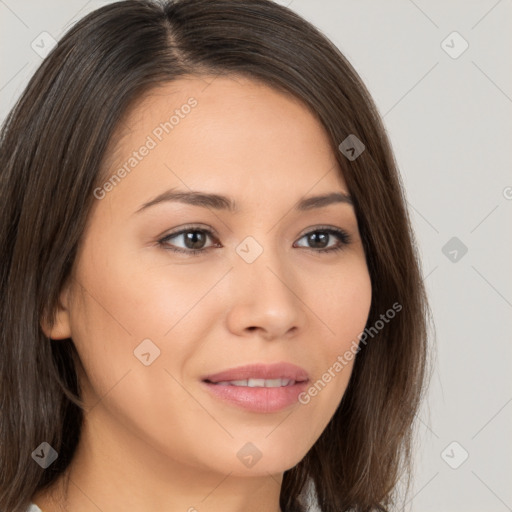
x=61 y=328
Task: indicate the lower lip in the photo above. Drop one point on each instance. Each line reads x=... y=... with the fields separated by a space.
x=262 y=400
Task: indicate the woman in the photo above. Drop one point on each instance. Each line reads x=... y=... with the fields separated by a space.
x=211 y=297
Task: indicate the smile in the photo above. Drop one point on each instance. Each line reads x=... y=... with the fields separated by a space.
x=257 y=383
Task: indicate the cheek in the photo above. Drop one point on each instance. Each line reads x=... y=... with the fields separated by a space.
x=117 y=310
x=344 y=306
x=122 y=301
x=347 y=304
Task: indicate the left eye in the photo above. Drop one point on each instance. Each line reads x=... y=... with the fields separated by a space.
x=195 y=239
x=319 y=239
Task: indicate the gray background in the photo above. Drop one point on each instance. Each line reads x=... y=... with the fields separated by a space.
x=450 y=124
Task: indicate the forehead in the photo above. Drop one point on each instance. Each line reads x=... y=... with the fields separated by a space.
x=234 y=132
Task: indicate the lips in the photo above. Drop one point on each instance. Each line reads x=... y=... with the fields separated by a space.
x=257 y=383
x=284 y=371
x=258 y=388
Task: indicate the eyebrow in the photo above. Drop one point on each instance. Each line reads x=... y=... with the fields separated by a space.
x=220 y=202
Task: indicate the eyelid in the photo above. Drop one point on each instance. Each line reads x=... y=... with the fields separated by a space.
x=190 y=227
x=343 y=235
x=210 y=232
x=205 y=227
x=323 y=227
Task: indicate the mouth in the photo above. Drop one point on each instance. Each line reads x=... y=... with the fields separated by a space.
x=255 y=383
x=258 y=388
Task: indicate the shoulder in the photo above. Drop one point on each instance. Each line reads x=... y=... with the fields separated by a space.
x=33 y=508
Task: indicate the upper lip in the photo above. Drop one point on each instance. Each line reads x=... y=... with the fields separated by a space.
x=260 y=371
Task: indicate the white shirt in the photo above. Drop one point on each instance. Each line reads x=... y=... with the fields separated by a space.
x=33 y=508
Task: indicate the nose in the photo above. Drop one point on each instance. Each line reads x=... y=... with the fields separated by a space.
x=265 y=298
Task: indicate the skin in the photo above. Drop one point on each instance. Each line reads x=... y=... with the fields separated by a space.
x=153 y=439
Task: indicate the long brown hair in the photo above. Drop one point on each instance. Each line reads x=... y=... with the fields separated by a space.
x=53 y=144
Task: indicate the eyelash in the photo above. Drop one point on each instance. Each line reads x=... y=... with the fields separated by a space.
x=343 y=236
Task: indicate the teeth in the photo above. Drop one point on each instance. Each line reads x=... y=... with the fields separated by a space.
x=258 y=383
x=238 y=382
x=275 y=383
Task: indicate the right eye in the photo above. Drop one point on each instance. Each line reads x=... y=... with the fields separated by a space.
x=194 y=239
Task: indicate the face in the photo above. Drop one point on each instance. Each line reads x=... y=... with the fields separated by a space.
x=171 y=292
